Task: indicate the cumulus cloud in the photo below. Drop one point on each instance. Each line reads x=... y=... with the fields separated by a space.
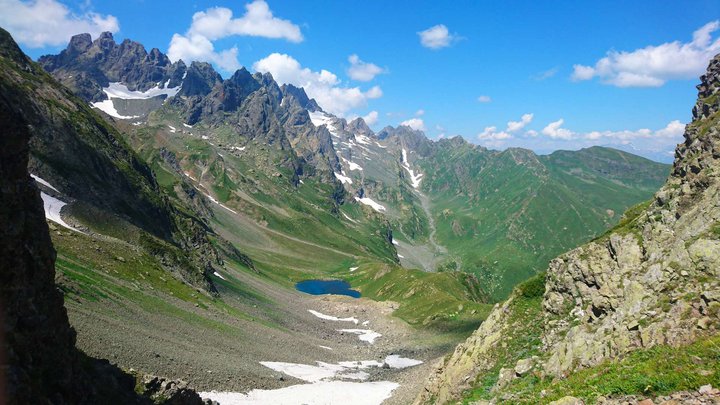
x=514 y=126
x=556 y=131
x=660 y=139
x=415 y=123
x=654 y=65
x=371 y=118
x=217 y=23
x=436 y=37
x=323 y=86
x=491 y=133
x=362 y=71
x=197 y=47
x=491 y=137
x=41 y=23
x=419 y=113
x=484 y=99
x=258 y=21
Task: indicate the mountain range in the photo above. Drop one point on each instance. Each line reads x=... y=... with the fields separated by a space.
x=185 y=206
x=449 y=205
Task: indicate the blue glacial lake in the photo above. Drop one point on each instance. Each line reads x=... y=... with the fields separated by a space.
x=320 y=287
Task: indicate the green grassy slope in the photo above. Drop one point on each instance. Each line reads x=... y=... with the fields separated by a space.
x=504 y=215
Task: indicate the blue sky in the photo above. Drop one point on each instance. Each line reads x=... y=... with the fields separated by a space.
x=519 y=56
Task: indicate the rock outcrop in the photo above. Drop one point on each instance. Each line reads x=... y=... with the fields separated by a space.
x=652 y=280
x=86 y=66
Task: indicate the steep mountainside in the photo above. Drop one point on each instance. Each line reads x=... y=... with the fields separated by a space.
x=38 y=359
x=634 y=312
x=499 y=213
x=456 y=206
x=85 y=167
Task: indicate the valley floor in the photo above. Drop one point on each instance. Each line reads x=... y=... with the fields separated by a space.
x=219 y=348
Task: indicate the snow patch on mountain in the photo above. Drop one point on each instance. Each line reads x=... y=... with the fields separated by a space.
x=333 y=318
x=352 y=165
x=321 y=393
x=108 y=108
x=414 y=178
x=366 y=335
x=43 y=182
x=119 y=90
x=343 y=179
x=52 y=207
x=368 y=201
x=319 y=118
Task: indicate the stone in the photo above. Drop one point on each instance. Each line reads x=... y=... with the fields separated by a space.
x=704 y=322
x=523 y=366
x=568 y=401
x=707 y=389
x=505 y=376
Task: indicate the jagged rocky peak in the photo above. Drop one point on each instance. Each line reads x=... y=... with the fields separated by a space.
x=408 y=138
x=201 y=78
x=87 y=67
x=708 y=102
x=78 y=44
x=701 y=149
x=359 y=126
x=298 y=93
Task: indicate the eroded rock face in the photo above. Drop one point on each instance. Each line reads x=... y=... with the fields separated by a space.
x=655 y=279
x=36 y=337
x=644 y=284
x=38 y=360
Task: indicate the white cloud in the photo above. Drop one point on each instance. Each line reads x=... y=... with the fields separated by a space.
x=546 y=74
x=554 y=130
x=672 y=130
x=217 y=23
x=484 y=99
x=415 y=123
x=532 y=133
x=491 y=133
x=371 y=118
x=41 y=23
x=660 y=139
x=197 y=47
x=374 y=92
x=258 y=21
x=652 y=66
x=323 y=86
x=491 y=137
x=581 y=72
x=419 y=113
x=514 y=126
x=436 y=37
x=362 y=71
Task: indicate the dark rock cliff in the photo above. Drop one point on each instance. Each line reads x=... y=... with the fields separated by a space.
x=38 y=359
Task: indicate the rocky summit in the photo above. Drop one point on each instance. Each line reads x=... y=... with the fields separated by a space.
x=651 y=281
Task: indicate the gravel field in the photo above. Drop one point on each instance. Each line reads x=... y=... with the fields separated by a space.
x=214 y=351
